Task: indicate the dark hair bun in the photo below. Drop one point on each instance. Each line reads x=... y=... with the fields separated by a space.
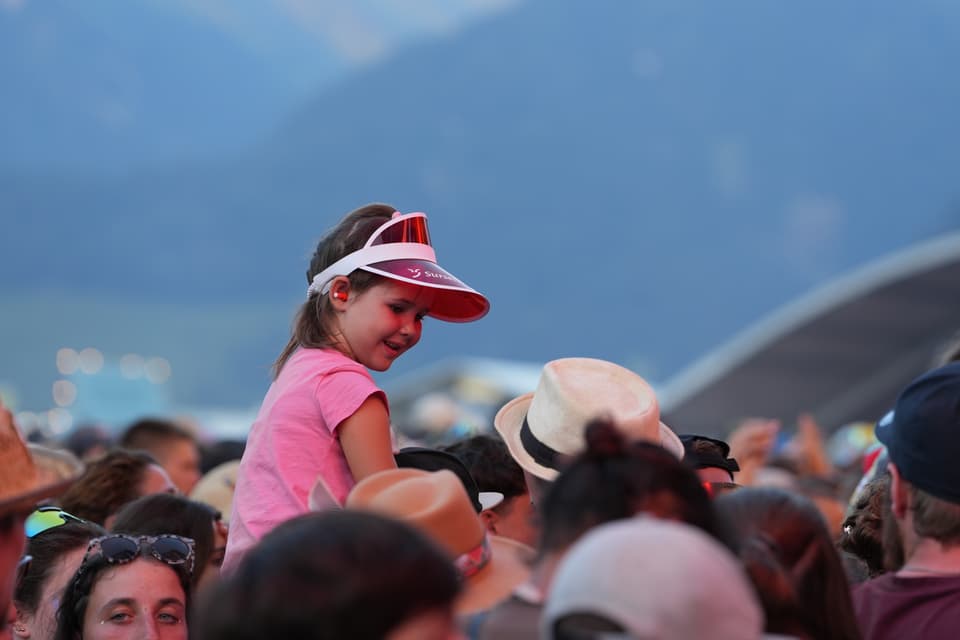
x=604 y=440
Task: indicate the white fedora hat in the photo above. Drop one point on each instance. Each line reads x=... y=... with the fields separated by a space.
x=546 y=426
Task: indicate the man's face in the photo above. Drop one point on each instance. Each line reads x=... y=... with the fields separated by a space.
x=181 y=460
x=517 y=520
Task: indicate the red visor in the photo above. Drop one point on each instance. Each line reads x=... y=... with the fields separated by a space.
x=400 y=250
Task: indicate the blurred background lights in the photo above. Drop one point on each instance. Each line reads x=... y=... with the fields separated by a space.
x=64 y=393
x=68 y=361
x=91 y=360
x=60 y=421
x=157 y=370
x=131 y=366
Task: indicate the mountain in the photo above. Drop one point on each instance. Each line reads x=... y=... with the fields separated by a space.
x=115 y=85
x=632 y=181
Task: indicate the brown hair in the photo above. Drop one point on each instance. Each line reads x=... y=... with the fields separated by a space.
x=151 y=434
x=935 y=518
x=613 y=478
x=863 y=528
x=311 y=327
x=108 y=483
x=790 y=558
x=45 y=550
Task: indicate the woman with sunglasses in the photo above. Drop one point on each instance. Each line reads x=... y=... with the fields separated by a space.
x=56 y=542
x=165 y=513
x=372 y=280
x=129 y=588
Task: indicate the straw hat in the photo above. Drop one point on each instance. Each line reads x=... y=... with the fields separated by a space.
x=437 y=504
x=29 y=474
x=216 y=488
x=544 y=427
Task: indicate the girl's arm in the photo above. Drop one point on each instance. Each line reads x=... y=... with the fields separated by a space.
x=365 y=438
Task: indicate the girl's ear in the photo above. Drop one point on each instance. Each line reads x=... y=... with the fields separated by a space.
x=339 y=292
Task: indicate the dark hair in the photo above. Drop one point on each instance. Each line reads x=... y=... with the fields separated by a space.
x=862 y=534
x=148 y=434
x=615 y=479
x=311 y=328
x=489 y=461
x=45 y=550
x=789 y=556
x=87 y=438
x=330 y=575
x=166 y=513
x=216 y=453
x=76 y=595
x=107 y=484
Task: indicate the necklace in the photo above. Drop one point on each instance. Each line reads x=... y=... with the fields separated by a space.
x=920 y=569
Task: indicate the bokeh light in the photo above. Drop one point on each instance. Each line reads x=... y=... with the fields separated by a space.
x=91 y=360
x=68 y=361
x=64 y=393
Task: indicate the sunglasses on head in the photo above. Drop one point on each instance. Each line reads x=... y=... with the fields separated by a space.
x=120 y=548
x=46 y=518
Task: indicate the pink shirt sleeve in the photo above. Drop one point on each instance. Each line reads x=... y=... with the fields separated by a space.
x=340 y=393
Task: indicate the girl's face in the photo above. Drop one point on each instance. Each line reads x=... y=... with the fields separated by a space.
x=142 y=599
x=383 y=322
x=43 y=623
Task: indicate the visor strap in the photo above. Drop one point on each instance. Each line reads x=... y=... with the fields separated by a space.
x=367 y=256
x=541 y=453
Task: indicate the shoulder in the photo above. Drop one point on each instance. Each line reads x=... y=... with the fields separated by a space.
x=320 y=362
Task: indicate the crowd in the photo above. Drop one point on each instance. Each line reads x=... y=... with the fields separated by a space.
x=580 y=515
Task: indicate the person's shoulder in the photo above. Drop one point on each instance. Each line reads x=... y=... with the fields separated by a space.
x=320 y=361
x=883 y=582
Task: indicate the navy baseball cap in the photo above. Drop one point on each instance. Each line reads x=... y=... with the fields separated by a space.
x=922 y=433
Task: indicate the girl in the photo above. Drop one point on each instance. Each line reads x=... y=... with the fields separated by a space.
x=372 y=281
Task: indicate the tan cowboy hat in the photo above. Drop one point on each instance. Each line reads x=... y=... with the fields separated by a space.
x=29 y=474
x=436 y=503
x=546 y=426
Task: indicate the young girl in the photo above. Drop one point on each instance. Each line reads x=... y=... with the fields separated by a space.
x=372 y=281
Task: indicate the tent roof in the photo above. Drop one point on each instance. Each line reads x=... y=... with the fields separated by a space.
x=842 y=352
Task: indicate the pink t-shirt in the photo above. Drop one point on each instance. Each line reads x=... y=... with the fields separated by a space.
x=293 y=441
